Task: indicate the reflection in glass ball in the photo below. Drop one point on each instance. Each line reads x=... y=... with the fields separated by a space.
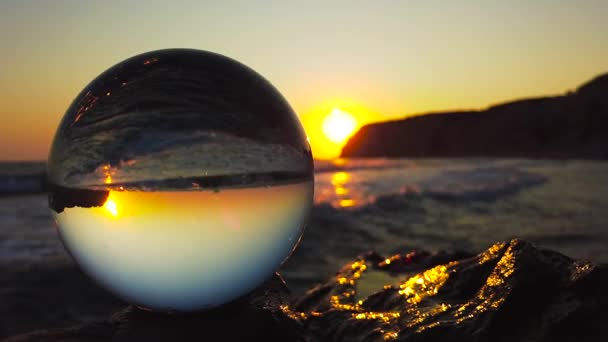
x=180 y=179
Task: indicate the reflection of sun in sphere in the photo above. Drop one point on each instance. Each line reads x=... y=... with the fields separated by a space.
x=180 y=179
x=111 y=207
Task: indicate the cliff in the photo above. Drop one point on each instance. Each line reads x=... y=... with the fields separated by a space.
x=573 y=125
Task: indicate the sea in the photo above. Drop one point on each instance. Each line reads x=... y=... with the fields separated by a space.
x=385 y=205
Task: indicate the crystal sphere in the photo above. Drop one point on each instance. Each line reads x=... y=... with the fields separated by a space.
x=180 y=179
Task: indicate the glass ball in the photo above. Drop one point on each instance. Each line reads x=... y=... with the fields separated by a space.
x=180 y=179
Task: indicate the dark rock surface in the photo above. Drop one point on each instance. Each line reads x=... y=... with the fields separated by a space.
x=257 y=316
x=511 y=292
x=49 y=293
x=574 y=125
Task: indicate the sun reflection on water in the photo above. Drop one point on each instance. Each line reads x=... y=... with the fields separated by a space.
x=339 y=190
x=339 y=181
x=340 y=178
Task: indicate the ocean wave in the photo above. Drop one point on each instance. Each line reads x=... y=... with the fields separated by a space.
x=357 y=189
x=486 y=183
x=22 y=184
x=353 y=164
x=30 y=177
x=22 y=177
x=454 y=190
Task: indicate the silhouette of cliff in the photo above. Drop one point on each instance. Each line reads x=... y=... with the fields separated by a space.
x=574 y=125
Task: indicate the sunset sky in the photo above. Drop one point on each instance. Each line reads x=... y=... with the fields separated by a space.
x=377 y=60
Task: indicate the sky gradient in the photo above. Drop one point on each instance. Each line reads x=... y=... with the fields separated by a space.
x=378 y=60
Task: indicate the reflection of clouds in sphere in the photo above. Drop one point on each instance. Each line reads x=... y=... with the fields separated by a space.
x=180 y=179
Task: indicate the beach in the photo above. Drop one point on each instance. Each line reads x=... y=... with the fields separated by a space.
x=383 y=205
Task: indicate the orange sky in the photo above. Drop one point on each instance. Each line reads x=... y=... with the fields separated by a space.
x=375 y=61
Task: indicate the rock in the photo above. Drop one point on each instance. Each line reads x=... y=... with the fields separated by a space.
x=49 y=292
x=567 y=126
x=511 y=292
x=257 y=316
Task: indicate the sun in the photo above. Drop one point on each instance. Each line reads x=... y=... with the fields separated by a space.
x=339 y=125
